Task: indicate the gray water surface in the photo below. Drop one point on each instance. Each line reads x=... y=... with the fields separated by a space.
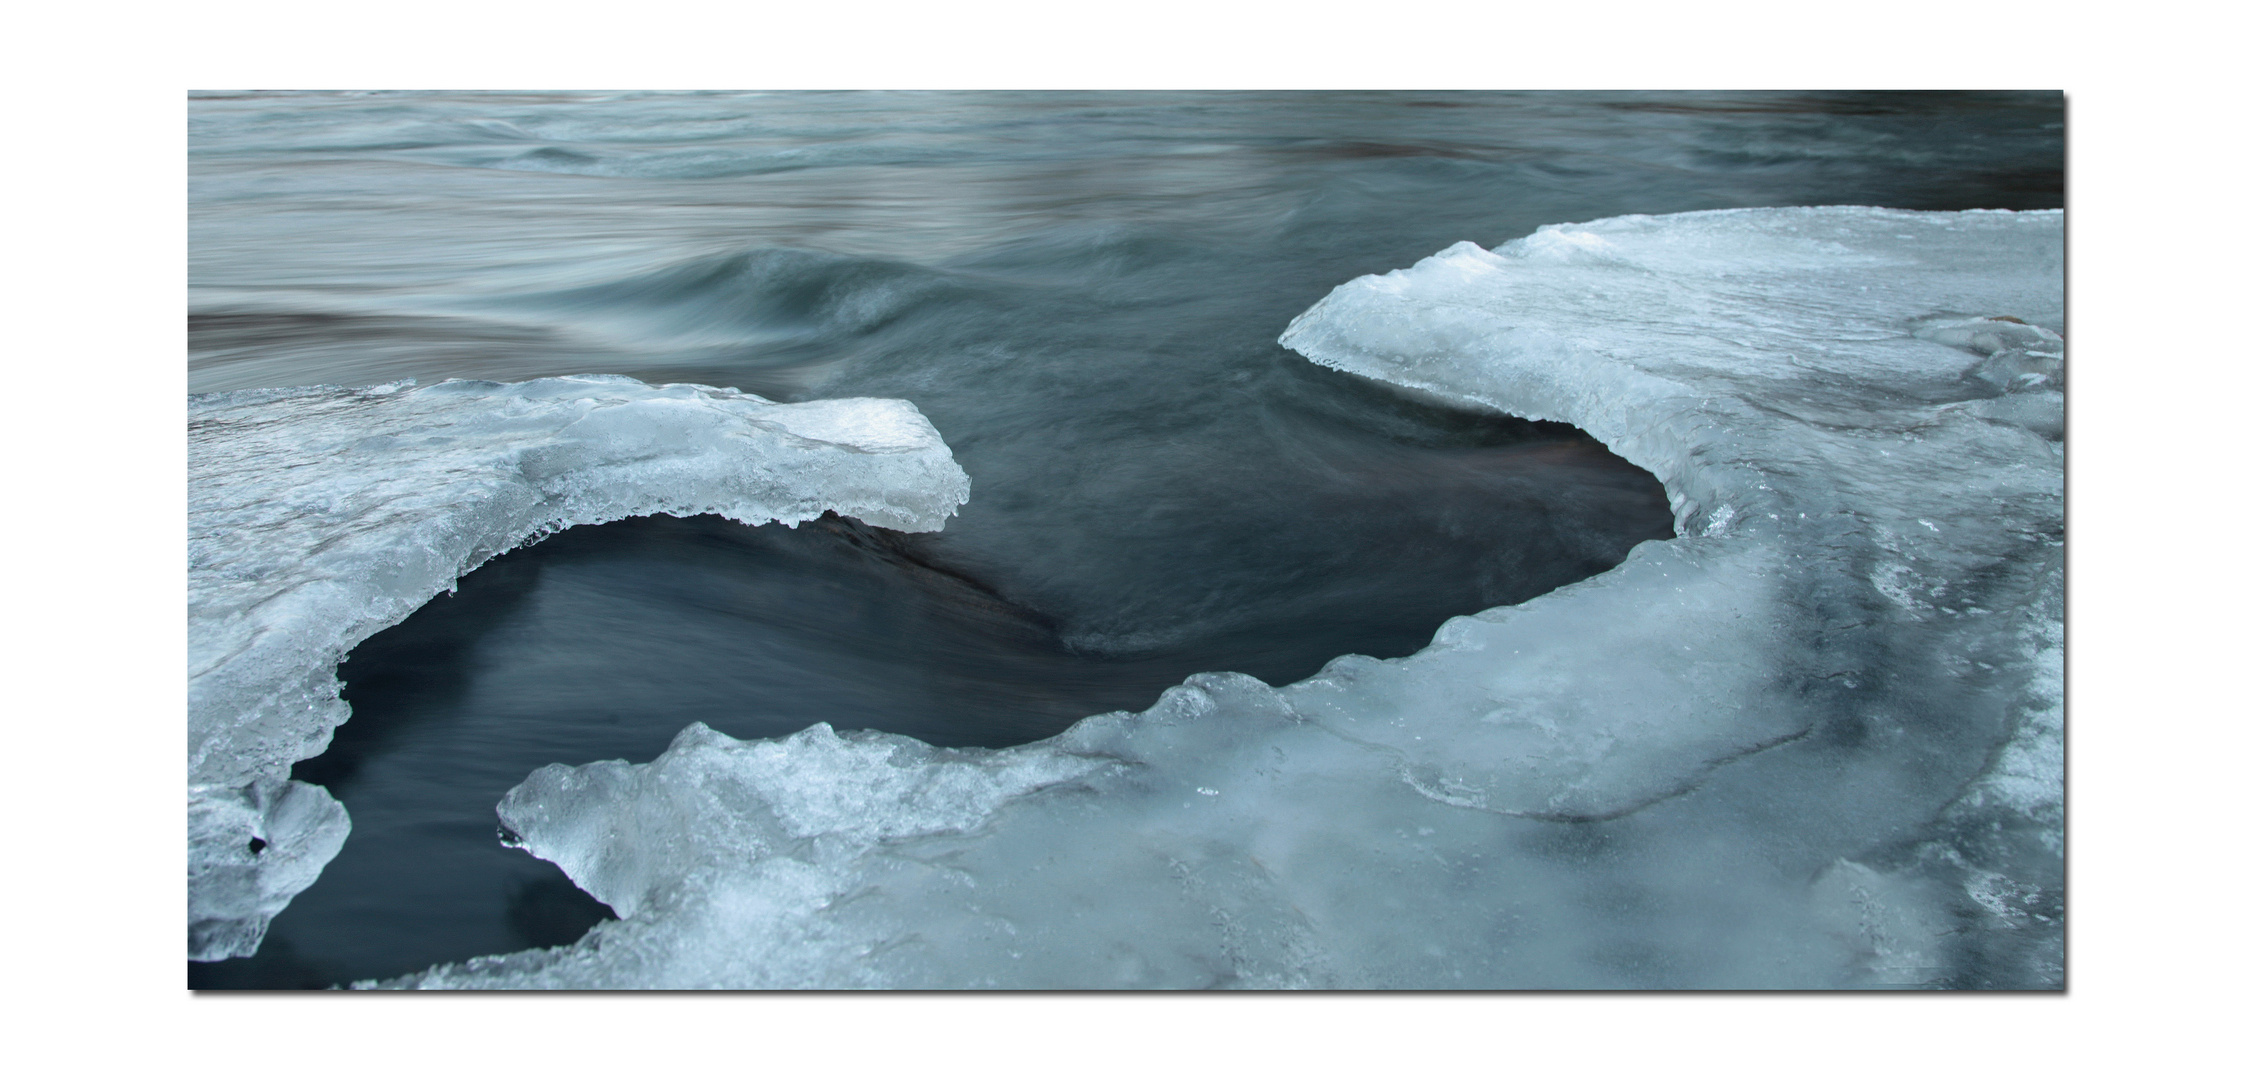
x=1081 y=291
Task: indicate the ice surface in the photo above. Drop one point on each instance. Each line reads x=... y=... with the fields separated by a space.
x=320 y=515
x=251 y=849
x=1813 y=742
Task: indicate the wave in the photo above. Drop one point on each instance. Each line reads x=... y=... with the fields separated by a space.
x=764 y=295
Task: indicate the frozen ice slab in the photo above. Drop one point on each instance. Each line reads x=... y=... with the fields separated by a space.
x=320 y=515
x=1813 y=742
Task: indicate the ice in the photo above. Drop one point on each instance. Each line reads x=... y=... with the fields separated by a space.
x=1813 y=742
x=251 y=849
x=320 y=515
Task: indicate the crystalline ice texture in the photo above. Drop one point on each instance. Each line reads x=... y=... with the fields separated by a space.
x=1752 y=756
x=320 y=515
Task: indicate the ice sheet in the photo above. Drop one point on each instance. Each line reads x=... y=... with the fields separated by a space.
x=320 y=515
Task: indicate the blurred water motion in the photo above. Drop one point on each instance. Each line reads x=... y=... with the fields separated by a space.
x=1082 y=292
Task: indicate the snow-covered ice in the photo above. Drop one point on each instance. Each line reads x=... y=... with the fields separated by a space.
x=1813 y=742
x=320 y=515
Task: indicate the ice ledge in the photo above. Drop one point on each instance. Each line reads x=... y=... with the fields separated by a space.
x=320 y=515
x=1845 y=471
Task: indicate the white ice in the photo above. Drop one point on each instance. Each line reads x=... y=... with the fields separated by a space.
x=320 y=515
x=1812 y=742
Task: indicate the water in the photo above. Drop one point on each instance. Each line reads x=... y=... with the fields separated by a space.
x=1082 y=293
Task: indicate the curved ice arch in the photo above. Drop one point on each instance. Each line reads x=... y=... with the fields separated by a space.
x=1684 y=772
x=320 y=515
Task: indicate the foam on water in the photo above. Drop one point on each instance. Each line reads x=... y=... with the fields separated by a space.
x=1814 y=742
x=320 y=515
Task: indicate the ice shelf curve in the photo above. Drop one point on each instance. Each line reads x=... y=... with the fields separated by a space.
x=1813 y=742
x=320 y=515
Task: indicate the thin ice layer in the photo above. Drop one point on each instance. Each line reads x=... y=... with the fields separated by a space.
x=1811 y=743
x=320 y=515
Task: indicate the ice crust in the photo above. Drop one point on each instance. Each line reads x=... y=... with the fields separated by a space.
x=1813 y=742
x=320 y=515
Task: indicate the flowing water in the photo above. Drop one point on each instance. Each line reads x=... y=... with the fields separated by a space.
x=1081 y=291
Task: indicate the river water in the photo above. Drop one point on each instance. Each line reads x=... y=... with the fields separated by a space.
x=1082 y=292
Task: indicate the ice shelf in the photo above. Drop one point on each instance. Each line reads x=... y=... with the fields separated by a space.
x=320 y=515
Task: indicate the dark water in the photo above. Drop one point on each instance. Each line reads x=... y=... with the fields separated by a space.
x=1082 y=293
